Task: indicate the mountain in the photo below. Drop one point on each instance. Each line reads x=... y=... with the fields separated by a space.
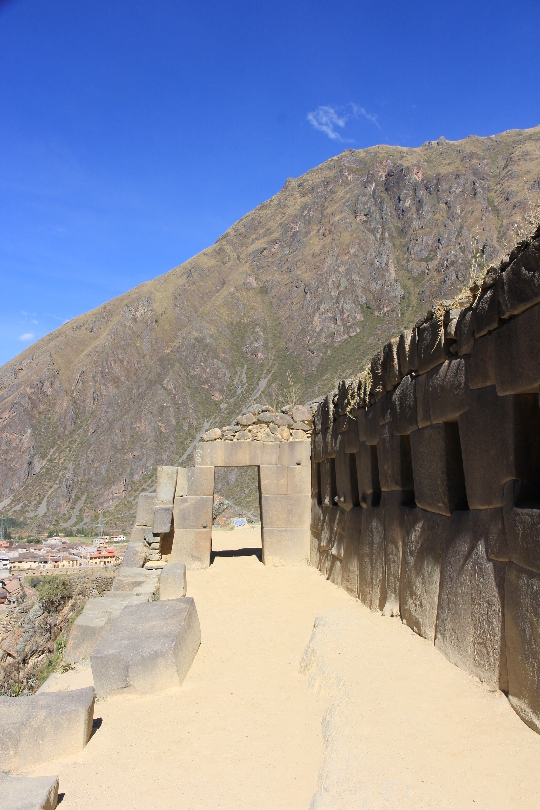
x=295 y=295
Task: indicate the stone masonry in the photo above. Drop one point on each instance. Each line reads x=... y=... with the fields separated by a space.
x=425 y=481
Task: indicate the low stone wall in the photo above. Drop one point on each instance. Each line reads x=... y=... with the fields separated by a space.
x=426 y=481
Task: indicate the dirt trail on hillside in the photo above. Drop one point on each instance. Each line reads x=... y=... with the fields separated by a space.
x=244 y=730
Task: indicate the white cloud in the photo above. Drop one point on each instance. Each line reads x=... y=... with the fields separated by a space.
x=26 y=337
x=326 y=118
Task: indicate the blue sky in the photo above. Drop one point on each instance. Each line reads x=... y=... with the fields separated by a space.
x=132 y=134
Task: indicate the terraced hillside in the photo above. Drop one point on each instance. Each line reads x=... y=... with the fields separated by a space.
x=296 y=294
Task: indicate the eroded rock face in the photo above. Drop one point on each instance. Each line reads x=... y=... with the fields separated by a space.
x=386 y=229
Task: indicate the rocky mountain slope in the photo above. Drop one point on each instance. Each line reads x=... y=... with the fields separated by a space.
x=295 y=295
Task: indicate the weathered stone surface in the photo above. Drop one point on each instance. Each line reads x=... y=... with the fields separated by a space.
x=439 y=485
x=145 y=509
x=273 y=479
x=283 y=420
x=193 y=512
x=286 y=511
x=166 y=485
x=371 y=579
x=317 y=447
x=300 y=413
x=316 y=516
x=192 y=547
x=328 y=482
x=173 y=582
x=351 y=529
x=209 y=454
x=92 y=624
x=384 y=408
x=315 y=545
x=522 y=524
x=465 y=331
x=516 y=359
x=403 y=406
x=246 y=419
x=522 y=627
x=470 y=617
x=134 y=581
x=432 y=346
x=490 y=524
x=285 y=546
x=199 y=481
x=423 y=414
x=266 y=417
x=367 y=473
x=349 y=436
x=162 y=518
x=407 y=357
x=448 y=390
x=294 y=453
x=486 y=312
x=377 y=386
x=298 y=480
x=211 y=435
x=28 y=793
x=148 y=648
x=390 y=365
x=394 y=532
x=421 y=569
x=335 y=571
x=43 y=727
x=480 y=365
x=519 y=285
x=330 y=526
x=346 y=479
x=395 y=462
x=135 y=555
x=372 y=425
x=498 y=440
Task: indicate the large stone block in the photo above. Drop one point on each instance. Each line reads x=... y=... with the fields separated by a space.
x=316 y=515
x=268 y=453
x=448 y=390
x=403 y=407
x=470 y=618
x=299 y=480
x=519 y=285
x=331 y=517
x=432 y=346
x=199 y=481
x=377 y=378
x=371 y=577
x=316 y=447
x=148 y=648
x=285 y=546
x=29 y=793
x=522 y=625
x=439 y=485
x=328 y=482
x=209 y=454
x=465 y=331
x=192 y=547
x=486 y=312
x=395 y=509
x=162 y=518
x=480 y=366
x=166 y=485
x=273 y=479
x=395 y=463
x=43 y=727
x=315 y=548
x=295 y=453
x=193 y=512
x=407 y=356
x=390 y=365
x=346 y=479
x=134 y=581
x=286 y=511
x=499 y=436
x=351 y=529
x=93 y=622
x=522 y=524
x=367 y=472
x=145 y=509
x=135 y=554
x=173 y=582
x=349 y=436
x=241 y=454
x=423 y=414
x=372 y=424
x=516 y=359
x=421 y=561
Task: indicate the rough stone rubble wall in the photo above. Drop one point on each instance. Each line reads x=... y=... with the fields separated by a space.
x=426 y=482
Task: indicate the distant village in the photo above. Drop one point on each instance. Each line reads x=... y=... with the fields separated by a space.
x=51 y=554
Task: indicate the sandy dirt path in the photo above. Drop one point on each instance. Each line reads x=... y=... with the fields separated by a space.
x=244 y=730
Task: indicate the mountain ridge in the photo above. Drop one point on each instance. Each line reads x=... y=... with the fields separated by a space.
x=302 y=288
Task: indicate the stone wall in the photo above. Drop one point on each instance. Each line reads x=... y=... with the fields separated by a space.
x=426 y=481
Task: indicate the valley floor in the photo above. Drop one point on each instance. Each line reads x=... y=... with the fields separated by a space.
x=244 y=730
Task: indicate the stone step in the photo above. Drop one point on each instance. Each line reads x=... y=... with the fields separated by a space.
x=28 y=793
